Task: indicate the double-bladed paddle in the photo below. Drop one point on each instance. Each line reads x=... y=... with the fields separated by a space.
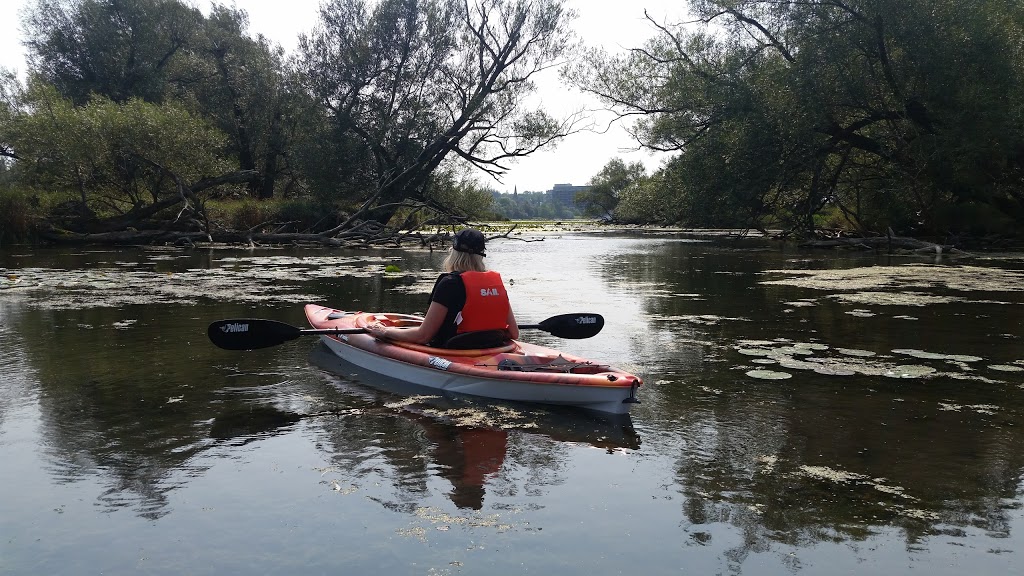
x=255 y=333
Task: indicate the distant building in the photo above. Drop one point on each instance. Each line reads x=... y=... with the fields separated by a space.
x=565 y=193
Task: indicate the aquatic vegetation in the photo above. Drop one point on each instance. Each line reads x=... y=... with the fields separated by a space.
x=851 y=361
x=409 y=401
x=804 y=303
x=909 y=371
x=497 y=416
x=768 y=463
x=756 y=343
x=810 y=346
x=831 y=474
x=1006 y=368
x=794 y=364
x=827 y=474
x=239 y=279
x=703 y=319
x=894 y=298
x=920 y=514
x=854 y=352
x=934 y=356
x=988 y=409
x=769 y=375
x=909 y=276
x=834 y=370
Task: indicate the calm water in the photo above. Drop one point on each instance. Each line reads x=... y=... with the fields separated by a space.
x=895 y=444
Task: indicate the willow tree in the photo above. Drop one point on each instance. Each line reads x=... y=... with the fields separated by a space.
x=890 y=113
x=239 y=81
x=120 y=49
x=404 y=86
x=163 y=51
x=107 y=166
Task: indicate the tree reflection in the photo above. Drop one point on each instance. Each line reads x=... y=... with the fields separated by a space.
x=820 y=457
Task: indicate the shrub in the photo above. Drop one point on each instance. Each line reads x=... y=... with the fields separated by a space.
x=18 y=212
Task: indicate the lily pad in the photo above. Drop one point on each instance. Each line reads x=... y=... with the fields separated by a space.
x=1006 y=368
x=769 y=375
x=810 y=345
x=792 y=350
x=833 y=370
x=935 y=356
x=909 y=371
x=794 y=364
x=854 y=352
x=755 y=343
x=919 y=354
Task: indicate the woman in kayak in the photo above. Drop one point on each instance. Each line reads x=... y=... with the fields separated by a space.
x=467 y=298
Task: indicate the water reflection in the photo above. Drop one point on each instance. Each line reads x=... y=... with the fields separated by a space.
x=131 y=406
x=827 y=456
x=464 y=440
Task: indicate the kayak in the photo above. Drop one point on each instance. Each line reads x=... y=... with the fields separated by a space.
x=516 y=371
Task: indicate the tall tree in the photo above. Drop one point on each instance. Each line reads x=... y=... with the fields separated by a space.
x=120 y=49
x=888 y=111
x=608 y=185
x=405 y=84
x=239 y=81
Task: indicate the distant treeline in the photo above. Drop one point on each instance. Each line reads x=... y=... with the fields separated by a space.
x=535 y=206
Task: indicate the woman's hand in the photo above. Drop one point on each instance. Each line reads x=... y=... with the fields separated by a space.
x=377 y=330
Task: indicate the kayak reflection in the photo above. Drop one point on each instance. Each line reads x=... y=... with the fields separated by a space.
x=468 y=437
x=467 y=457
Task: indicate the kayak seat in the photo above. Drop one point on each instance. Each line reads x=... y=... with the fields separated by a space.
x=477 y=340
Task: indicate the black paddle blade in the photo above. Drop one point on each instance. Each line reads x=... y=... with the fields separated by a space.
x=573 y=326
x=250 y=333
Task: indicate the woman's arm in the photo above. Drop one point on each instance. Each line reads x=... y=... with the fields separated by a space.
x=420 y=334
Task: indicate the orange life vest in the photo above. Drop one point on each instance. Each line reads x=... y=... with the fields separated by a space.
x=487 y=303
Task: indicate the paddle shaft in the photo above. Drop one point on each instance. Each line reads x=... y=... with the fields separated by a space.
x=254 y=333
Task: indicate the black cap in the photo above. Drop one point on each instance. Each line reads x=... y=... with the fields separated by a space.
x=470 y=240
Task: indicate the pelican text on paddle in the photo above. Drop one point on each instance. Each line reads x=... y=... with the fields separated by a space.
x=234 y=327
x=587 y=320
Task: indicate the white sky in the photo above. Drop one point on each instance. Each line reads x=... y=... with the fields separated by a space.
x=614 y=24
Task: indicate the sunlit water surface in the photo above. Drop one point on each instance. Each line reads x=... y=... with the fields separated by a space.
x=803 y=412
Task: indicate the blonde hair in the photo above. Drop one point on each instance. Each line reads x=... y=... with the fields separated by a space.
x=457 y=261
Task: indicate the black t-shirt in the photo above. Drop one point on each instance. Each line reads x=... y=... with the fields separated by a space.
x=450 y=292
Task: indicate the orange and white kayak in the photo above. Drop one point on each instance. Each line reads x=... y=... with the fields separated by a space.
x=515 y=371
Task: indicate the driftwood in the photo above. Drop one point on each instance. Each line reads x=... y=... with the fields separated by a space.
x=138 y=237
x=361 y=235
x=887 y=243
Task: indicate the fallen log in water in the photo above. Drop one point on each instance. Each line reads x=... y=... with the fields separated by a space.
x=887 y=243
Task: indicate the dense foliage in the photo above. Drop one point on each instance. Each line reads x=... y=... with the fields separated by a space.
x=139 y=113
x=870 y=116
x=863 y=114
